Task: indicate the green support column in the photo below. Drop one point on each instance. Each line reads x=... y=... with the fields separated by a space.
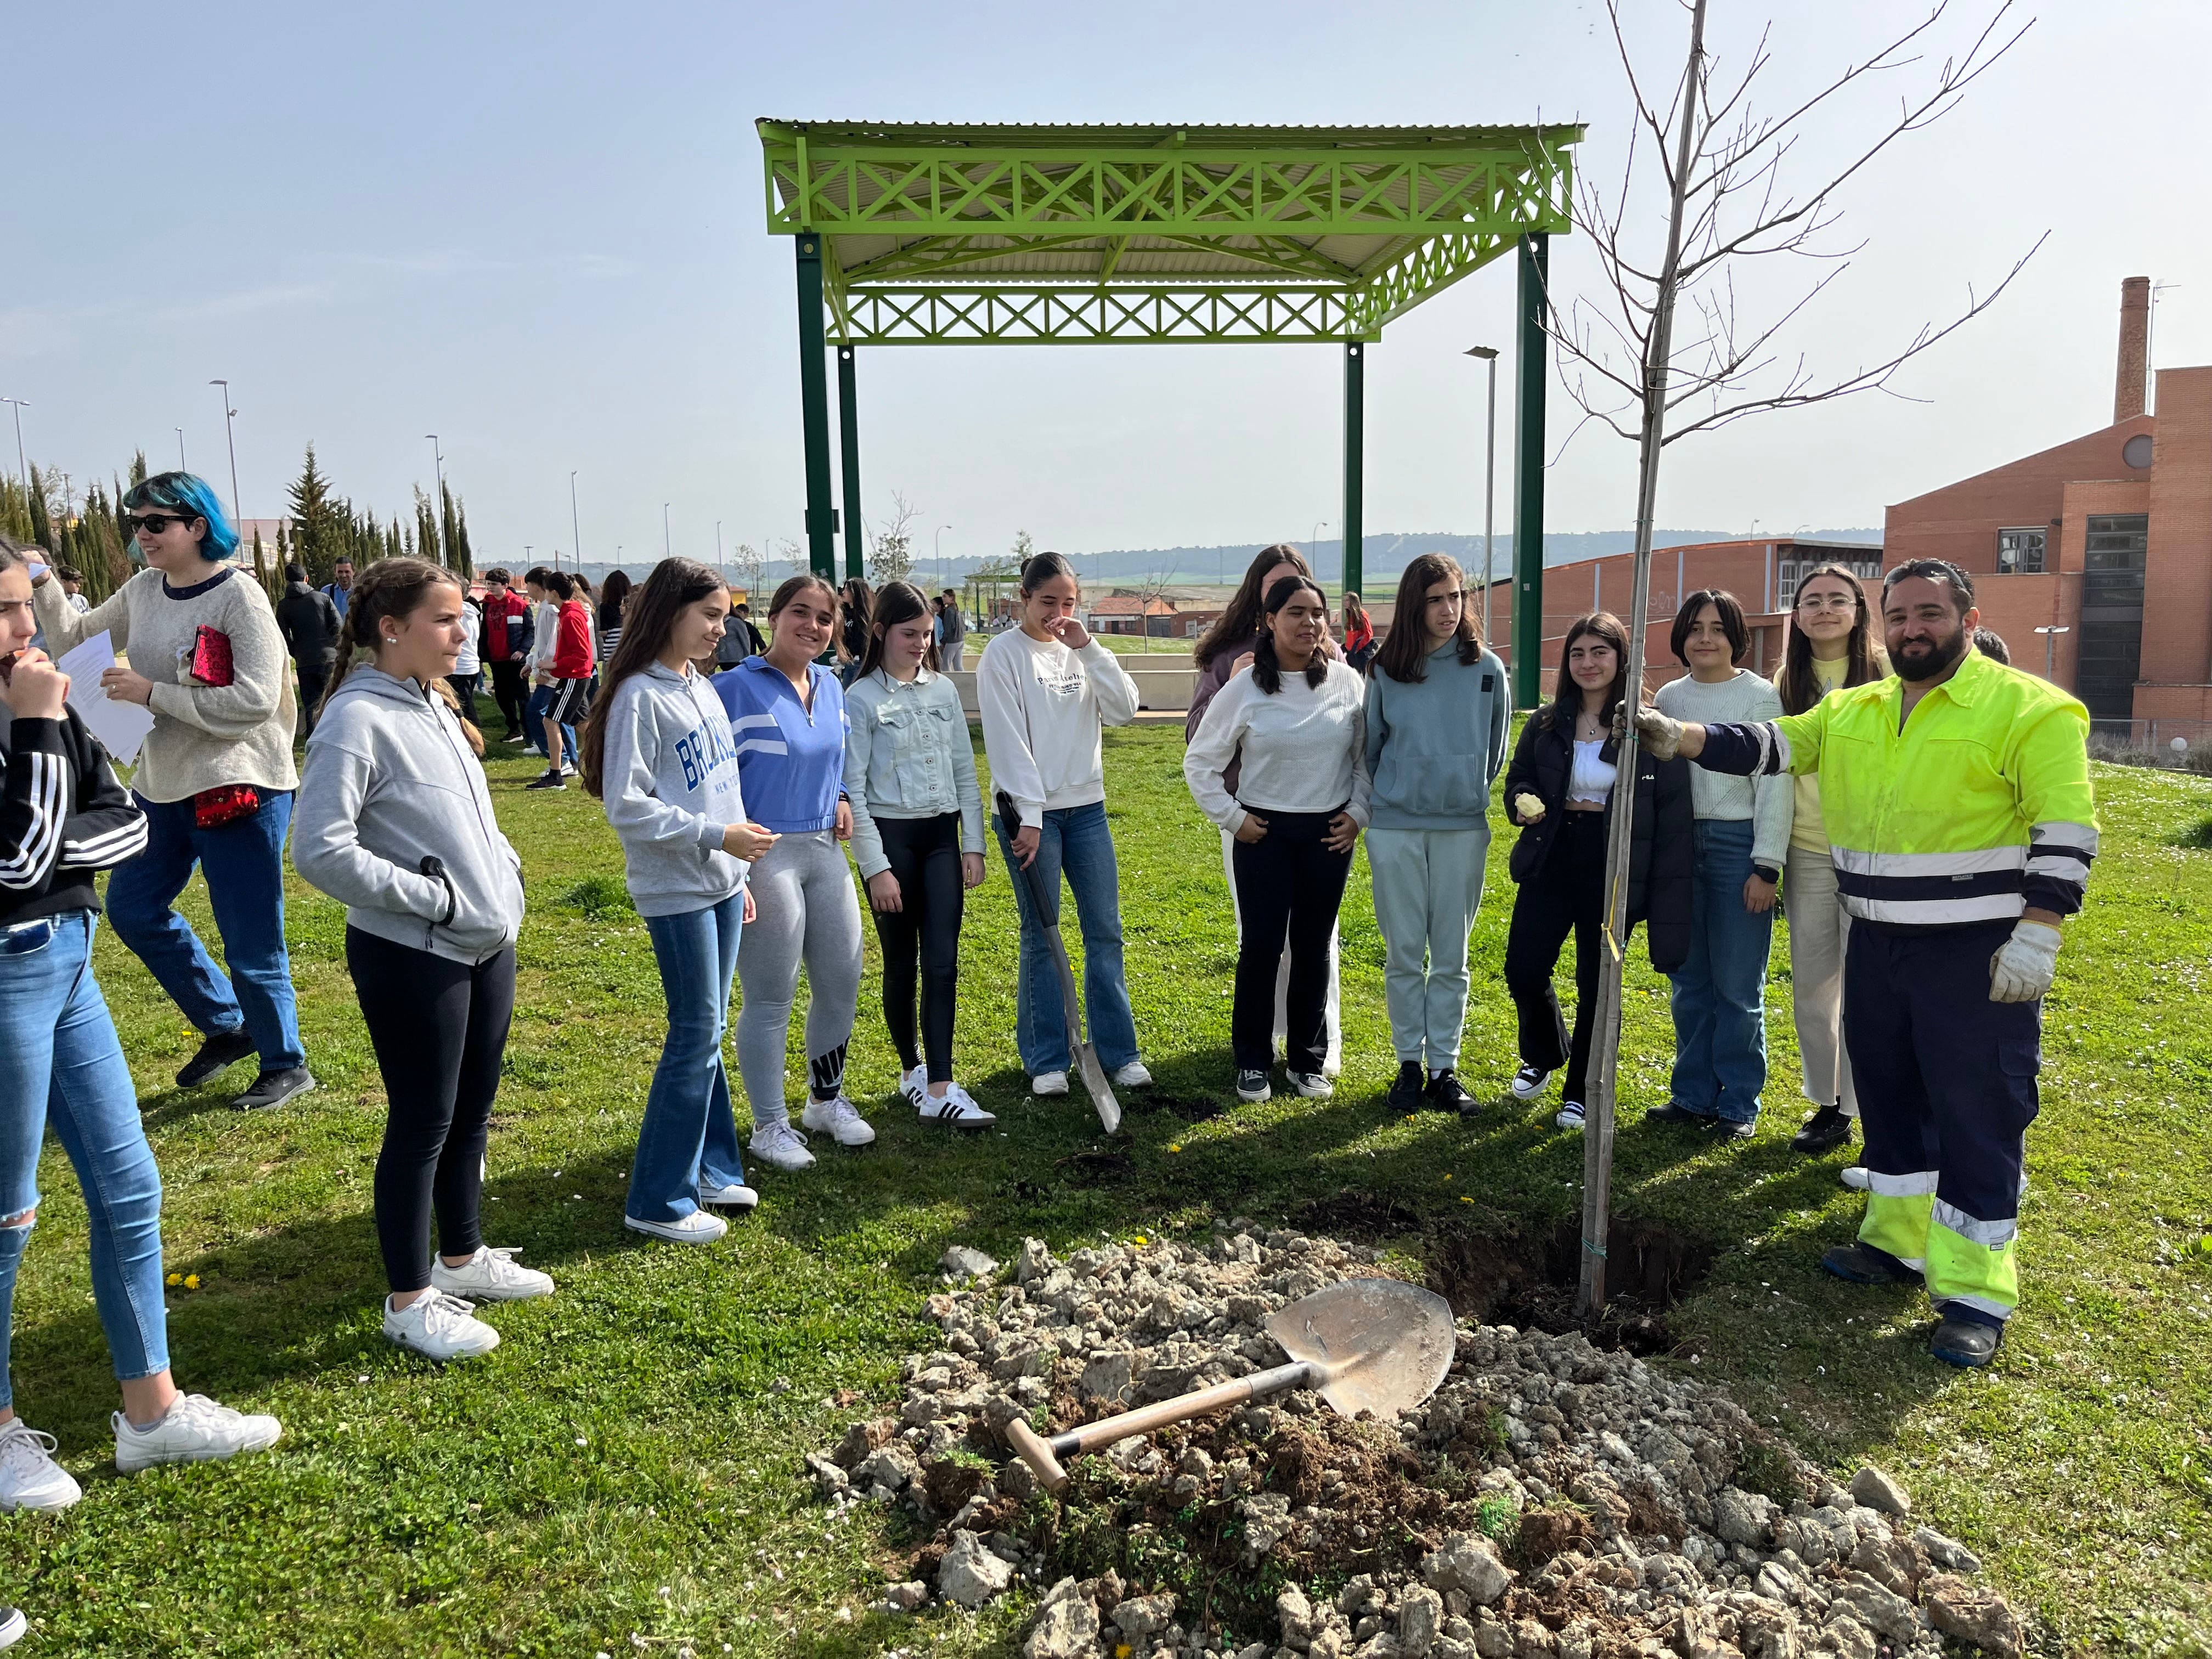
x=1531 y=373
x=1355 y=365
x=848 y=423
x=814 y=409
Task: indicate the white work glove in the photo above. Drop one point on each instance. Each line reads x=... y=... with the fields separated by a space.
x=2021 y=970
x=1528 y=808
x=1662 y=737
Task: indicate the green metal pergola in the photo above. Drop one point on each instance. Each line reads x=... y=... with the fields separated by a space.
x=934 y=234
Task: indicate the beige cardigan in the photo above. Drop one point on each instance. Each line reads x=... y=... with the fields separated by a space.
x=203 y=737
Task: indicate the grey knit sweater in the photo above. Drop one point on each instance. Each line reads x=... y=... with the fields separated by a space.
x=203 y=737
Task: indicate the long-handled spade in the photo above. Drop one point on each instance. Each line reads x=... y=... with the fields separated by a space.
x=1086 y=1056
x=1368 y=1344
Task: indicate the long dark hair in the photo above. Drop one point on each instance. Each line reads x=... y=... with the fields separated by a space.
x=896 y=602
x=1233 y=630
x=1405 y=653
x=856 y=608
x=389 y=587
x=612 y=592
x=1267 y=671
x=1039 y=568
x=1864 y=662
x=654 y=604
x=1567 y=697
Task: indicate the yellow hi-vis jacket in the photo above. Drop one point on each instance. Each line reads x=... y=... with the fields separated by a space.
x=1978 y=808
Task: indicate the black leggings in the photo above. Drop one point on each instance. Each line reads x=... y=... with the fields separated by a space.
x=1289 y=886
x=1565 y=896
x=924 y=855
x=440 y=1029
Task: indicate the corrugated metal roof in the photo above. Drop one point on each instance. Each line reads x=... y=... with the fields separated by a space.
x=1012 y=134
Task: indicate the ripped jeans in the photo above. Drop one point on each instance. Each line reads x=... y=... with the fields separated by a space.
x=60 y=1060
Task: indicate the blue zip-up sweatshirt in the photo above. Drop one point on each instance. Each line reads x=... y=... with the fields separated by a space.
x=791 y=762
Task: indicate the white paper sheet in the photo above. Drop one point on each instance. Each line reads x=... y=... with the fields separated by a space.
x=121 y=726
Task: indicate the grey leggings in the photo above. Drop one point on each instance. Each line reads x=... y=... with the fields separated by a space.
x=803 y=910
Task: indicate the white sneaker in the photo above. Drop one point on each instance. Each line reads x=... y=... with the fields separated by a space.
x=1312 y=1084
x=1855 y=1177
x=29 y=1477
x=840 y=1120
x=490 y=1276
x=193 y=1430
x=1132 y=1076
x=914 y=1086
x=439 y=1326
x=12 y=1626
x=567 y=769
x=1048 y=1082
x=1571 y=1115
x=1528 y=1082
x=699 y=1227
x=957 y=1111
x=780 y=1146
x=734 y=1196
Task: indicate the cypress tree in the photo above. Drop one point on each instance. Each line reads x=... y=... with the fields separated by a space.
x=318 y=521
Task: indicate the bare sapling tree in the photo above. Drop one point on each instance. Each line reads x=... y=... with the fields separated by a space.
x=1720 y=164
x=890 y=549
x=748 y=565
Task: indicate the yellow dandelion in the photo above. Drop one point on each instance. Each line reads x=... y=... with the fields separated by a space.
x=1447 y=1175
x=1174 y=1147
x=1464 y=1199
x=191 y=1281
x=1141 y=1241
x=176 y=1279
x=1121 y=1651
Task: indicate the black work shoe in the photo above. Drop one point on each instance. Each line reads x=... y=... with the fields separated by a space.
x=217 y=1054
x=1861 y=1264
x=1675 y=1112
x=275 y=1088
x=1966 y=1343
x=1444 y=1095
x=1825 y=1130
x=1729 y=1129
x=1405 y=1094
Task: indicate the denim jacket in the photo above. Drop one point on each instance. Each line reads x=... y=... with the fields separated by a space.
x=908 y=755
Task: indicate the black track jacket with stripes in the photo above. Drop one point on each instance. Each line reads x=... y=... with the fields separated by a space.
x=62 y=818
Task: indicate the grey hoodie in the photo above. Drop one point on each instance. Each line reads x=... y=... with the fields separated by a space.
x=669 y=777
x=393 y=817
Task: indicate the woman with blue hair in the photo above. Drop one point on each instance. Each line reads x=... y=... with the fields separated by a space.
x=215 y=778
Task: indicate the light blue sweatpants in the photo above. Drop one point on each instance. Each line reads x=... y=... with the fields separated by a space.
x=1428 y=886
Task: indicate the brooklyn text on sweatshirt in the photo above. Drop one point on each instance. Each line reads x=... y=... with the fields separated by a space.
x=791 y=757
x=393 y=817
x=204 y=736
x=1435 y=746
x=670 y=780
x=1304 y=748
x=62 y=818
x=1042 y=706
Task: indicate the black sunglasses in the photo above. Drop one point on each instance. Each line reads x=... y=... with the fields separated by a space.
x=158 y=522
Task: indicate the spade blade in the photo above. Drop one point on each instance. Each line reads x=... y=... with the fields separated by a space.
x=1385 y=1344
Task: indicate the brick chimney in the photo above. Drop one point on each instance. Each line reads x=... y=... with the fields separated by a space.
x=2129 y=390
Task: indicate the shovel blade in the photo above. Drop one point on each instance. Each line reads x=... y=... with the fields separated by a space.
x=1386 y=1345
x=1101 y=1091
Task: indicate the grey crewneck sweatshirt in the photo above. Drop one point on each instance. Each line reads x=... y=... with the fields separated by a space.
x=1436 y=746
x=1767 y=802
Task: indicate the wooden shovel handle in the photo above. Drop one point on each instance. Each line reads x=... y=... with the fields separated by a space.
x=1044 y=1456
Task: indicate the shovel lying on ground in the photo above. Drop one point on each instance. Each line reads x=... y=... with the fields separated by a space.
x=1087 y=1057
x=1368 y=1344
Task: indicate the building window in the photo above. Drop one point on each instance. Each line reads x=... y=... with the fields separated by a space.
x=2019 y=552
x=1790 y=572
x=2118 y=545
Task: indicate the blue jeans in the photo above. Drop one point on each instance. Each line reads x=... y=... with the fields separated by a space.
x=540 y=697
x=244 y=864
x=60 y=1062
x=1073 y=841
x=690 y=1137
x=1720 y=992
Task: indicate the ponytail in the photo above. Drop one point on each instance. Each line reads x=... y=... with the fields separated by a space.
x=389 y=587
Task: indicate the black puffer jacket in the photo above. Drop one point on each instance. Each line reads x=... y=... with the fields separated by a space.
x=1662 y=855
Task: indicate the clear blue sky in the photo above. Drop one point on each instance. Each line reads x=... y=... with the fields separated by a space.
x=538 y=231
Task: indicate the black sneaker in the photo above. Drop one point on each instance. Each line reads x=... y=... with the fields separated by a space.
x=1528 y=1082
x=275 y=1088
x=1405 y=1094
x=1729 y=1129
x=1825 y=1130
x=1445 y=1095
x=1253 y=1085
x=547 y=781
x=1676 y=1113
x=1966 y=1343
x=1861 y=1264
x=217 y=1054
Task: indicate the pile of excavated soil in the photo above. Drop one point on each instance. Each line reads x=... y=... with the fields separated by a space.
x=1550 y=1501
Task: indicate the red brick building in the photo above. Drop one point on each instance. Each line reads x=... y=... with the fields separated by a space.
x=2106 y=537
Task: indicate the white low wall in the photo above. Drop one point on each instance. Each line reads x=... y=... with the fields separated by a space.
x=1167 y=689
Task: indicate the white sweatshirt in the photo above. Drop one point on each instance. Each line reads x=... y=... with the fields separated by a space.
x=1304 y=748
x=1042 y=706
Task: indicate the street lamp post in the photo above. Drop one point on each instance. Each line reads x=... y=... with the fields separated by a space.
x=666 y=548
x=21 y=405
x=237 y=514
x=937 y=552
x=575 y=531
x=2050 y=651
x=717 y=543
x=181 y=467
x=1489 y=356
x=438 y=478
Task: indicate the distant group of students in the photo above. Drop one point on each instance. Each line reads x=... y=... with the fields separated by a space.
x=735 y=796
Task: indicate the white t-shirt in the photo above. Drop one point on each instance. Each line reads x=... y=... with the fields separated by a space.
x=468 y=662
x=1305 y=747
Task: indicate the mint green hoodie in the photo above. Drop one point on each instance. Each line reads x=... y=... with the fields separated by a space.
x=1435 y=747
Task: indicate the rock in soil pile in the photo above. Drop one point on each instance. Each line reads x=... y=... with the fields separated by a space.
x=1550 y=1501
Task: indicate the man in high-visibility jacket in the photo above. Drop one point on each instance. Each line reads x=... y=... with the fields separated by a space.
x=1957 y=805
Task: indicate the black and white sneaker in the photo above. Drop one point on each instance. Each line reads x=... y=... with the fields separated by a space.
x=914 y=1086
x=1253 y=1085
x=1312 y=1084
x=217 y=1054
x=1405 y=1094
x=547 y=781
x=273 y=1089
x=1528 y=1082
x=1444 y=1094
x=957 y=1111
x=1569 y=1116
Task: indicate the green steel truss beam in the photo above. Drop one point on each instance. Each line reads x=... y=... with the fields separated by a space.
x=1076 y=315
x=925 y=190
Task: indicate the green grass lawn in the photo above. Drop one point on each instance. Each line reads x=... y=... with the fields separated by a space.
x=627 y=1462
